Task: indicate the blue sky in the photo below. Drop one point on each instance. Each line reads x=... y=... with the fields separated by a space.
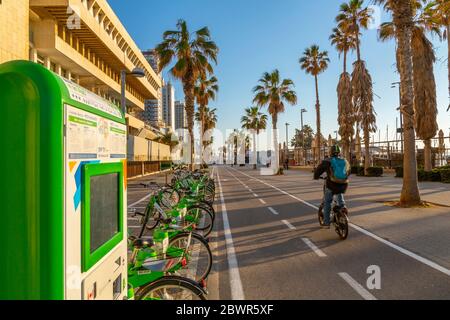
x=255 y=36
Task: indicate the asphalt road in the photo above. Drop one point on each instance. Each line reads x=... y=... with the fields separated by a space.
x=278 y=251
x=268 y=245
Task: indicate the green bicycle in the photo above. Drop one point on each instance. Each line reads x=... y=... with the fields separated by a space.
x=148 y=275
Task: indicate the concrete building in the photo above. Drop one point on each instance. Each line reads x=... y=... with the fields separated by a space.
x=168 y=103
x=180 y=115
x=84 y=41
x=153 y=113
x=152 y=58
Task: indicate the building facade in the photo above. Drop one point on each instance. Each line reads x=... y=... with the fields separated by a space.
x=180 y=115
x=168 y=104
x=153 y=113
x=83 y=41
x=153 y=59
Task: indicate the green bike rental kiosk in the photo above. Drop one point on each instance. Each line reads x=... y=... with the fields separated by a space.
x=62 y=189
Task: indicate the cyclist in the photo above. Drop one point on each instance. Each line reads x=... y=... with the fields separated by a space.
x=338 y=170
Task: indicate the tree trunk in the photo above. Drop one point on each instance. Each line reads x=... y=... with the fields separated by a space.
x=202 y=130
x=345 y=61
x=427 y=155
x=410 y=195
x=358 y=49
x=346 y=150
x=319 y=132
x=255 y=155
x=448 y=57
x=366 y=151
x=276 y=155
x=188 y=88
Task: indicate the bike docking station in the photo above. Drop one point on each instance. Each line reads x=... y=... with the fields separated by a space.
x=63 y=189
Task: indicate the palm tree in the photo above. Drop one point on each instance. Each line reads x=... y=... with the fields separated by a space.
x=344 y=42
x=255 y=121
x=169 y=139
x=193 y=53
x=205 y=90
x=303 y=138
x=209 y=118
x=438 y=13
x=423 y=56
x=315 y=62
x=352 y=19
x=403 y=21
x=273 y=92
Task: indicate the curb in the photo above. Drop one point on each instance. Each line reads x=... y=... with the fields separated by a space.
x=149 y=175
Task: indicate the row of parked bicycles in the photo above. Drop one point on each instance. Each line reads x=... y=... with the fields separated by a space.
x=171 y=258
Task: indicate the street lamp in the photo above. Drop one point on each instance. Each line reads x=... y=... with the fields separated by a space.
x=336 y=136
x=394 y=85
x=137 y=73
x=302 y=111
x=287 y=146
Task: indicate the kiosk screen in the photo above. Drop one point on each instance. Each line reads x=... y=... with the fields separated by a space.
x=104 y=209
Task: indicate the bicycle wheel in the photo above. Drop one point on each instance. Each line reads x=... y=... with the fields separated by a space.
x=197 y=254
x=170 y=198
x=206 y=206
x=204 y=220
x=171 y=288
x=342 y=225
x=321 y=217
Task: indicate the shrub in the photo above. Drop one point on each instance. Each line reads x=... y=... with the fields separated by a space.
x=435 y=175
x=445 y=175
x=375 y=172
x=360 y=172
x=399 y=172
x=355 y=169
x=423 y=175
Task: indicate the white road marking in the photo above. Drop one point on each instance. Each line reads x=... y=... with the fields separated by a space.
x=140 y=201
x=282 y=191
x=262 y=201
x=314 y=248
x=237 y=293
x=255 y=195
x=356 y=286
x=404 y=251
x=273 y=211
x=290 y=226
x=373 y=236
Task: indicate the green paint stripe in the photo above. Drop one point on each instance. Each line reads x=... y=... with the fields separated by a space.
x=116 y=130
x=82 y=121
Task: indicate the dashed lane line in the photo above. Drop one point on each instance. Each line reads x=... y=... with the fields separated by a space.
x=368 y=233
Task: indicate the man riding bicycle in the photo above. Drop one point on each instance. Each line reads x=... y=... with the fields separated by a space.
x=338 y=170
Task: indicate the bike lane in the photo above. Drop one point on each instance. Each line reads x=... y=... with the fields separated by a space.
x=274 y=262
x=344 y=269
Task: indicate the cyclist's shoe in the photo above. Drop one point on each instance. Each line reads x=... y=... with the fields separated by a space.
x=326 y=227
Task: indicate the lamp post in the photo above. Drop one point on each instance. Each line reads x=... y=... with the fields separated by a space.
x=336 y=136
x=394 y=85
x=287 y=145
x=137 y=73
x=302 y=111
